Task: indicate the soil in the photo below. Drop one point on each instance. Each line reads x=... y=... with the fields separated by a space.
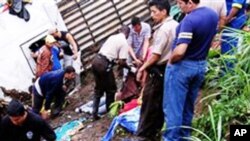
x=91 y=130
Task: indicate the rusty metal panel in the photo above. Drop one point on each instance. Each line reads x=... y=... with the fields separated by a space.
x=92 y=21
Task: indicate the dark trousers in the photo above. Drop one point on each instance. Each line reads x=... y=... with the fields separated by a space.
x=38 y=100
x=104 y=82
x=151 y=116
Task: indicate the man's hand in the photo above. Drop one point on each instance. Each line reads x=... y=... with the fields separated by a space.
x=139 y=75
x=137 y=62
x=46 y=114
x=75 y=56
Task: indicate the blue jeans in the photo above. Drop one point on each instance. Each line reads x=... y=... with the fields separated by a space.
x=181 y=86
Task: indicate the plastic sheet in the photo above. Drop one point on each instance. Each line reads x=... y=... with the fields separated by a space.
x=63 y=132
x=128 y=120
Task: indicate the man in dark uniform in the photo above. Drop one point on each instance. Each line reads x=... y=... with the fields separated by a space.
x=23 y=125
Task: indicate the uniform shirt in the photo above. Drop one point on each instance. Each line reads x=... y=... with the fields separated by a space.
x=33 y=128
x=240 y=18
x=136 y=40
x=163 y=39
x=197 y=30
x=115 y=47
x=219 y=6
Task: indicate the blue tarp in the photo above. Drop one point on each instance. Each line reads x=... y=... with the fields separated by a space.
x=62 y=132
x=128 y=120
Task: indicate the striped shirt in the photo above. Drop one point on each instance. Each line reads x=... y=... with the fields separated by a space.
x=136 y=40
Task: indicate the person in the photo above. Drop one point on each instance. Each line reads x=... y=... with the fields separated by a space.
x=56 y=55
x=151 y=116
x=44 y=63
x=186 y=69
x=138 y=39
x=115 y=47
x=68 y=45
x=220 y=8
x=50 y=86
x=236 y=18
x=23 y=125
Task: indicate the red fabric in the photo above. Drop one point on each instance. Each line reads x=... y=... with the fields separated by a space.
x=130 y=105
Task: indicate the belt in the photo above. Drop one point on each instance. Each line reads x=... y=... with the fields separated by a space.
x=159 y=70
x=104 y=57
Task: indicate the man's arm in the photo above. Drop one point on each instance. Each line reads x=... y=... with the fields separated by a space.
x=132 y=54
x=153 y=59
x=233 y=13
x=145 y=48
x=73 y=44
x=178 y=53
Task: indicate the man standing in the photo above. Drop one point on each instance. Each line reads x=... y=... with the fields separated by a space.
x=151 y=116
x=115 y=47
x=44 y=63
x=50 y=86
x=138 y=39
x=68 y=45
x=23 y=125
x=186 y=69
x=236 y=18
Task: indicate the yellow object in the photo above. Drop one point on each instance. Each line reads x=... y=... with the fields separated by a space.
x=50 y=39
x=28 y=1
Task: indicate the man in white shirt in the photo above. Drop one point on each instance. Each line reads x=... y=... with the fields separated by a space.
x=115 y=49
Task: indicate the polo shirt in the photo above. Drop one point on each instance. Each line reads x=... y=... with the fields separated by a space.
x=197 y=30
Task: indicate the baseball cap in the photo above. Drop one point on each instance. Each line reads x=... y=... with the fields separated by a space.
x=15 y=108
x=50 y=39
x=52 y=30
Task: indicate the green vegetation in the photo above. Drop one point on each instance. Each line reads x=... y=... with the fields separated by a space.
x=226 y=94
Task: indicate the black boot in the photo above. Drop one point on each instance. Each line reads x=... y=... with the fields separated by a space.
x=95 y=108
x=110 y=98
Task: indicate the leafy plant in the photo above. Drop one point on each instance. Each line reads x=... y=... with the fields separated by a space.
x=227 y=92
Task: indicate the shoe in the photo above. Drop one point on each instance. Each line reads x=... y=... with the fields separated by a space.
x=95 y=117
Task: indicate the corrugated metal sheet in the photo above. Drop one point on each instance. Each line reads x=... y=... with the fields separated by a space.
x=92 y=21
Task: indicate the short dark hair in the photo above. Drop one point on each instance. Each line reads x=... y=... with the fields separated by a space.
x=194 y=1
x=124 y=29
x=15 y=108
x=70 y=69
x=160 y=4
x=135 y=21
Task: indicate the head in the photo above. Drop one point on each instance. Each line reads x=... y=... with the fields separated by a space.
x=54 y=32
x=136 y=24
x=187 y=6
x=125 y=30
x=16 y=112
x=50 y=40
x=159 y=10
x=70 y=73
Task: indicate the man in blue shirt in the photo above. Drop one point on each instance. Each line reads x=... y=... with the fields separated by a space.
x=236 y=18
x=186 y=69
x=49 y=86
